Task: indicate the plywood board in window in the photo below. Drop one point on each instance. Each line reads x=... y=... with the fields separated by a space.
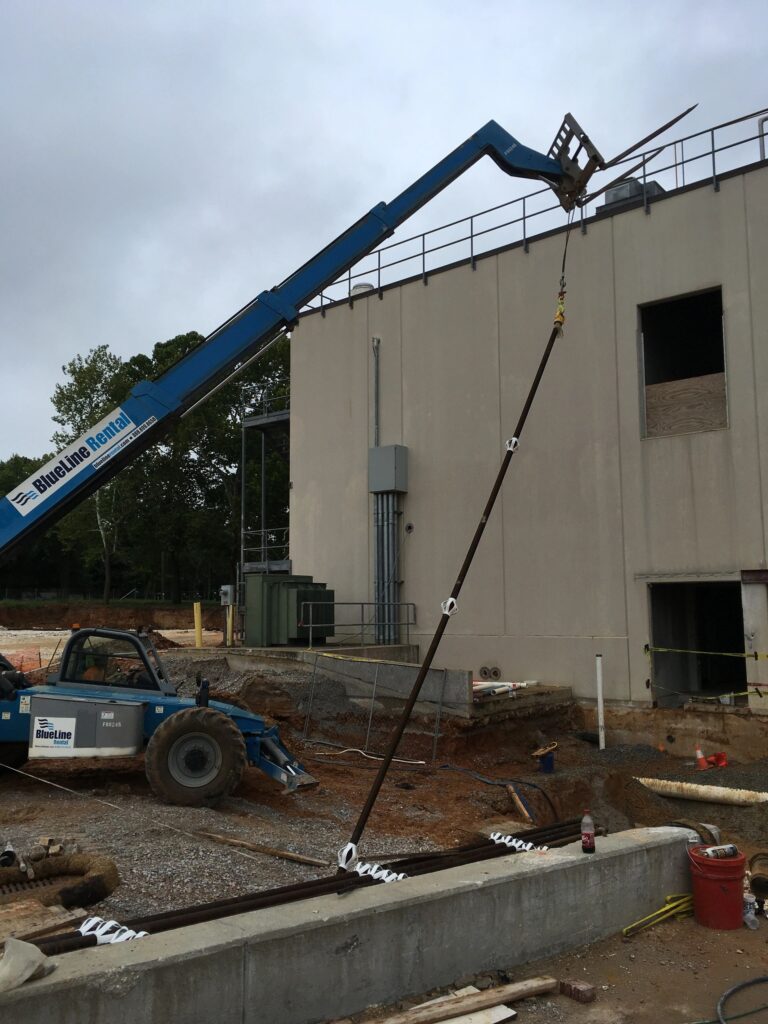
x=685 y=406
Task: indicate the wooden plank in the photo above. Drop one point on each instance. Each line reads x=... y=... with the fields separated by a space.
x=65 y=921
x=493 y=1015
x=686 y=406
x=519 y=804
x=270 y=851
x=474 y=1001
x=28 y=918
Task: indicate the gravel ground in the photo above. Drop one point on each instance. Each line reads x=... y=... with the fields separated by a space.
x=163 y=864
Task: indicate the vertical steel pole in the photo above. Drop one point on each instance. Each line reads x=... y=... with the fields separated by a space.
x=715 y=182
x=370 y=712
x=600 y=707
x=264 y=500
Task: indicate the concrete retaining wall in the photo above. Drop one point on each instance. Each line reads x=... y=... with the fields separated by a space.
x=333 y=956
x=454 y=686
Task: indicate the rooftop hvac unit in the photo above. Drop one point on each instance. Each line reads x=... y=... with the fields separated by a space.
x=629 y=191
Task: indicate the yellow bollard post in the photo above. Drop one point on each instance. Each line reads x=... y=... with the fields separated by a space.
x=230 y=625
x=198 y=624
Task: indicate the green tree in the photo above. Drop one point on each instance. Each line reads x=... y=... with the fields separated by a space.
x=95 y=384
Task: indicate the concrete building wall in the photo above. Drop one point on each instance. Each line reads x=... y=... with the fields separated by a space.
x=591 y=511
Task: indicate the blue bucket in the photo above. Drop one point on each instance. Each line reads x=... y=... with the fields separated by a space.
x=547 y=763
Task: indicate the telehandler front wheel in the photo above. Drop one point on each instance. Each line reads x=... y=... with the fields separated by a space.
x=196 y=757
x=13 y=755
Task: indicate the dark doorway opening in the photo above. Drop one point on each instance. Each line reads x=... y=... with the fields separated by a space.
x=703 y=617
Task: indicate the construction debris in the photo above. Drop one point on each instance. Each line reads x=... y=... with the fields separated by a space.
x=434 y=1013
x=77 y=880
x=581 y=991
x=492 y=1015
x=22 y=962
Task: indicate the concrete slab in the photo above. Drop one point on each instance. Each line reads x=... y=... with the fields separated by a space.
x=333 y=956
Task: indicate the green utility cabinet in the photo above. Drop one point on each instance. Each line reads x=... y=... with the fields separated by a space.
x=273 y=610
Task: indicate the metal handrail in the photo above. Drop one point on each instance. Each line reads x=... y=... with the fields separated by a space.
x=378 y=263
x=408 y=621
x=265 y=401
x=273 y=539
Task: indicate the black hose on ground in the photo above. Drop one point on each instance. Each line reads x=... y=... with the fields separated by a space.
x=501 y=782
x=738 y=988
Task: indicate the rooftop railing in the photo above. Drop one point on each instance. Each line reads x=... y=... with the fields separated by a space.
x=701 y=156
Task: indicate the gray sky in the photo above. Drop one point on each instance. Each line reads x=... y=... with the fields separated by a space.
x=163 y=162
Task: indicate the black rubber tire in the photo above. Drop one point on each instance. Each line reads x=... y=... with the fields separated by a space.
x=14 y=755
x=196 y=757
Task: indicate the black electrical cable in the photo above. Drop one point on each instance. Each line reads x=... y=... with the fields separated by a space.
x=738 y=988
x=501 y=782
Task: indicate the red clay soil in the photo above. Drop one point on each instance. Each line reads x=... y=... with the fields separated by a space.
x=54 y=615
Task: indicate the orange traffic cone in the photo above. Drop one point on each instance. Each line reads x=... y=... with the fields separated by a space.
x=701 y=761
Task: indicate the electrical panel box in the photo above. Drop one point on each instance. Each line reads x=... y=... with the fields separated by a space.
x=227 y=594
x=388 y=469
x=84 y=727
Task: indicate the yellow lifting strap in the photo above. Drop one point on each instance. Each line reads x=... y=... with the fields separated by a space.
x=560 y=311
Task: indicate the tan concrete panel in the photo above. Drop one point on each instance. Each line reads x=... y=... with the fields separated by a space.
x=451 y=427
x=329 y=511
x=384 y=321
x=692 y=501
x=569 y=661
x=756 y=213
x=563 y=542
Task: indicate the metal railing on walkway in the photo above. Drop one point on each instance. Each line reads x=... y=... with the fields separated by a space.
x=265 y=546
x=703 y=155
x=314 y=614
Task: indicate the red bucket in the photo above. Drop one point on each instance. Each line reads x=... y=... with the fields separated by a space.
x=718 y=889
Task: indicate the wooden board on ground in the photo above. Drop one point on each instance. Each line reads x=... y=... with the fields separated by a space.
x=493 y=1015
x=27 y=918
x=437 y=1013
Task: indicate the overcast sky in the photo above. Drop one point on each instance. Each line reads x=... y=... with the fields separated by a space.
x=162 y=162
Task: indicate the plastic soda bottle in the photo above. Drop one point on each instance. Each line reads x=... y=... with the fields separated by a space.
x=750 y=918
x=587 y=833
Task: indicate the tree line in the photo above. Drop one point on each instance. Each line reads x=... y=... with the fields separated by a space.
x=168 y=525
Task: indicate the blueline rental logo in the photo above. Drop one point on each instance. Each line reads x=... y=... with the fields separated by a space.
x=104 y=440
x=53 y=732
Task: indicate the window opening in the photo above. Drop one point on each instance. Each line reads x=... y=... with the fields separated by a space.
x=109 y=662
x=684 y=364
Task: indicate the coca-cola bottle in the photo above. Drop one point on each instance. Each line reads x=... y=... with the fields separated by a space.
x=587 y=833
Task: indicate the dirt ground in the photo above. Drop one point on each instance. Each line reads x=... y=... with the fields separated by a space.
x=30 y=649
x=671 y=974
x=107 y=807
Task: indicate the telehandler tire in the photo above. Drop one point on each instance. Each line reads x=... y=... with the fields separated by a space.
x=196 y=757
x=13 y=755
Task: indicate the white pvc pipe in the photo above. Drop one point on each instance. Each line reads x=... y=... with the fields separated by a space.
x=600 y=706
x=708 y=794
